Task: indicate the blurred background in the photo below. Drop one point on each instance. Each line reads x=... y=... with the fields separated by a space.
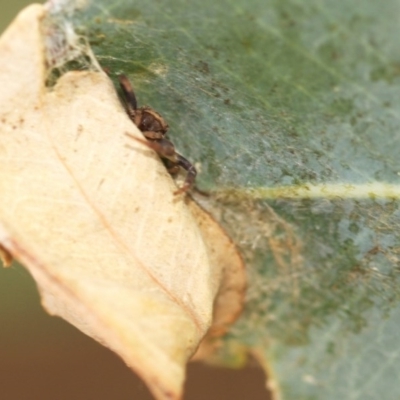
x=43 y=357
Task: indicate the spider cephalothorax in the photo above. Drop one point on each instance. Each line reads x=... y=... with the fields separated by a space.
x=154 y=129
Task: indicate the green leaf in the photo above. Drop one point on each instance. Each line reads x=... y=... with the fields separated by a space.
x=291 y=111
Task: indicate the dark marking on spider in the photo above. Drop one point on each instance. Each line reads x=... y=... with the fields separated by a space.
x=154 y=129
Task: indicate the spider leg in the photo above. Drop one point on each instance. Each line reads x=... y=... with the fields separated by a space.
x=153 y=135
x=191 y=174
x=166 y=150
x=163 y=147
x=129 y=94
x=172 y=167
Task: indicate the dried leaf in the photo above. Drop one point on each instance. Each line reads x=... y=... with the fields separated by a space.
x=5 y=257
x=229 y=265
x=93 y=217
